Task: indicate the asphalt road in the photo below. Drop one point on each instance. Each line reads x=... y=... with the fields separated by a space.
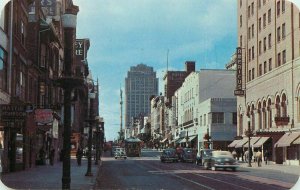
x=147 y=172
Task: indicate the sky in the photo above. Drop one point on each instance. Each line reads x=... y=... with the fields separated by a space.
x=124 y=33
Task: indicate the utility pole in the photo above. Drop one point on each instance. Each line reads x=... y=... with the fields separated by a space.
x=121 y=115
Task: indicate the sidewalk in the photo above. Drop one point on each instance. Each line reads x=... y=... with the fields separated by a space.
x=49 y=177
x=271 y=166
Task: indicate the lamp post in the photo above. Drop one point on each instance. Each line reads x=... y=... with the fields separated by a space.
x=68 y=82
x=249 y=138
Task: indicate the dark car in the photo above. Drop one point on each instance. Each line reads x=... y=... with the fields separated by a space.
x=203 y=154
x=220 y=159
x=188 y=155
x=169 y=155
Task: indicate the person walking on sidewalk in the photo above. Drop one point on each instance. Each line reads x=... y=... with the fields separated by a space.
x=258 y=157
x=51 y=156
x=79 y=154
x=266 y=156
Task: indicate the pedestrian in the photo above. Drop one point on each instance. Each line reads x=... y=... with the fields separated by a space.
x=42 y=156
x=246 y=155
x=234 y=154
x=79 y=154
x=258 y=157
x=51 y=156
x=266 y=156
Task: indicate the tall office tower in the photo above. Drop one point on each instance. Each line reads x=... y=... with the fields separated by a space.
x=268 y=54
x=140 y=84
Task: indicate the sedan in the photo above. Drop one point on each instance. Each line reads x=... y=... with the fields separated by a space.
x=221 y=159
x=169 y=155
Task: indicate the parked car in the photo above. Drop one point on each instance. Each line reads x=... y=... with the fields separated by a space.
x=203 y=154
x=120 y=153
x=220 y=159
x=169 y=154
x=188 y=155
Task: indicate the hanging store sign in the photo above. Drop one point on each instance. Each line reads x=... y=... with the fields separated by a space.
x=12 y=112
x=43 y=116
x=239 y=73
x=55 y=129
x=80 y=49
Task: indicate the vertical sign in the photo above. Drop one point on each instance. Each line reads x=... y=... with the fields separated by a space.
x=80 y=49
x=239 y=73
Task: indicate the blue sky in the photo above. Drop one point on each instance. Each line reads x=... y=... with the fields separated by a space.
x=124 y=33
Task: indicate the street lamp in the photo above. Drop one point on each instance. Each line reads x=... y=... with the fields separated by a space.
x=68 y=82
x=249 y=133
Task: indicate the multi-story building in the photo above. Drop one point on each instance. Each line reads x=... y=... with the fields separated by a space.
x=269 y=37
x=140 y=84
x=203 y=101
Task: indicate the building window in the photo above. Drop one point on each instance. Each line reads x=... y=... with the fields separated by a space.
x=248 y=11
x=252 y=8
x=241 y=21
x=270 y=64
x=259 y=24
x=278 y=59
x=204 y=119
x=260 y=70
x=252 y=30
x=241 y=2
x=249 y=32
x=265 y=67
x=283 y=31
x=259 y=4
x=265 y=44
x=269 y=16
x=241 y=40
x=252 y=73
x=259 y=47
x=217 y=117
x=283 y=6
x=252 y=52
x=264 y=20
x=3 y=70
x=278 y=34
x=249 y=56
x=283 y=56
x=234 y=118
x=278 y=8
x=270 y=41
x=201 y=120
x=249 y=76
x=22 y=33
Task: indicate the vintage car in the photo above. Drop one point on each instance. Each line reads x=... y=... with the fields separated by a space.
x=120 y=153
x=220 y=159
x=169 y=155
x=187 y=155
x=203 y=154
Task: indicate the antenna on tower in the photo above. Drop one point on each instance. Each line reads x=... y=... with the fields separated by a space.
x=121 y=114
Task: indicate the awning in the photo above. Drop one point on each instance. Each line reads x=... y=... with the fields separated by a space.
x=260 y=142
x=253 y=140
x=192 y=137
x=234 y=143
x=178 y=140
x=241 y=143
x=183 y=140
x=297 y=141
x=162 y=141
x=287 y=139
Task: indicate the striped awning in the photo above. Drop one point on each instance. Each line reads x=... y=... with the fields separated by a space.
x=287 y=139
x=260 y=142
x=242 y=142
x=234 y=143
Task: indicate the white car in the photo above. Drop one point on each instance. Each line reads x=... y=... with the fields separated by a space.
x=120 y=153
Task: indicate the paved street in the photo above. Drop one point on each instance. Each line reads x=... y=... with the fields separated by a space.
x=147 y=172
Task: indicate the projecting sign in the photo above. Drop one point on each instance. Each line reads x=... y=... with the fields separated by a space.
x=12 y=112
x=43 y=116
x=80 y=49
x=239 y=73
